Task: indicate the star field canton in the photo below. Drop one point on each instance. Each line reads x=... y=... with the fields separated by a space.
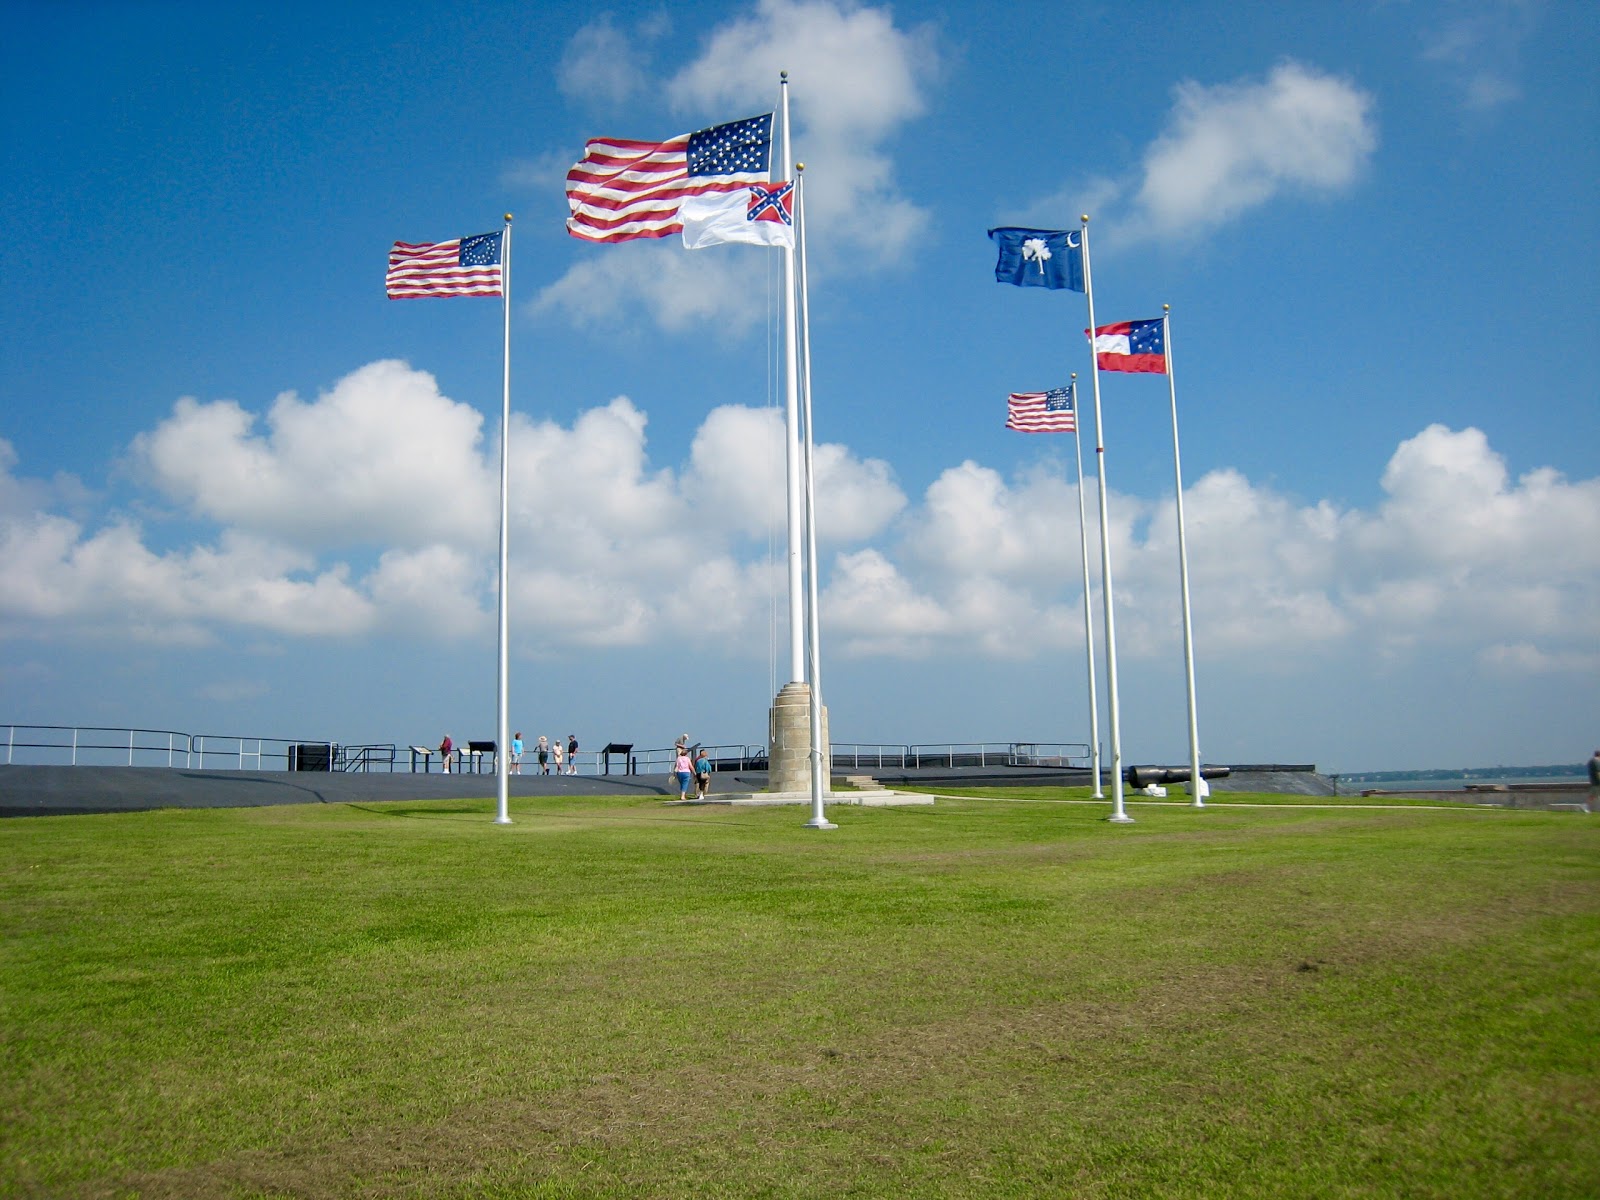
x=1041 y=412
x=620 y=190
x=1131 y=346
x=468 y=266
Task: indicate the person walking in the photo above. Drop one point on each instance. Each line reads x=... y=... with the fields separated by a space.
x=544 y=755
x=1594 y=783
x=516 y=753
x=702 y=774
x=683 y=768
x=555 y=754
x=446 y=747
x=572 y=754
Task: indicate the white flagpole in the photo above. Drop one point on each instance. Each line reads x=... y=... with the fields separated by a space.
x=819 y=752
x=502 y=743
x=783 y=169
x=1088 y=604
x=1118 y=813
x=1196 y=784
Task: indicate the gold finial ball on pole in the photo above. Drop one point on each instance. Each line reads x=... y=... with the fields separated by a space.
x=783 y=75
x=799 y=166
x=508 y=218
x=1166 y=308
x=1084 y=218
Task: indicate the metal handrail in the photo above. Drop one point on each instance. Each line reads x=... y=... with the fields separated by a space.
x=255 y=753
x=72 y=744
x=362 y=759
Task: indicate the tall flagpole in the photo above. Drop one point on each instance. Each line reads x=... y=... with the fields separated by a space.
x=1196 y=783
x=819 y=751
x=792 y=419
x=1088 y=604
x=502 y=743
x=1118 y=813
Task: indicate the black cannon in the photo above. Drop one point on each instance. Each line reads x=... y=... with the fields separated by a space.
x=1144 y=776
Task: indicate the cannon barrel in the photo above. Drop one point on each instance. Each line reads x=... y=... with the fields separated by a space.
x=1144 y=776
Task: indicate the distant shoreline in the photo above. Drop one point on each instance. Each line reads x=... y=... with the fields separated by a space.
x=1441 y=780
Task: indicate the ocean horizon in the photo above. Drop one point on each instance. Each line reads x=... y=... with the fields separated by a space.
x=1434 y=779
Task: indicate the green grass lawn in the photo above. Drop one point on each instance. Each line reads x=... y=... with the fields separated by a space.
x=981 y=998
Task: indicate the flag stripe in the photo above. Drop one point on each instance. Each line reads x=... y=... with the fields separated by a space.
x=623 y=189
x=1152 y=364
x=1028 y=412
x=421 y=269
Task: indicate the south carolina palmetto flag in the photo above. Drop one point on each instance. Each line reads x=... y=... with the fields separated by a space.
x=1047 y=258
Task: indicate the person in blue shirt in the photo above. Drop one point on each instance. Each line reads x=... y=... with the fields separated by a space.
x=516 y=754
x=702 y=774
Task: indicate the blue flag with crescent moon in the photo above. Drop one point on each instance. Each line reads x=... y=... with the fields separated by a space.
x=1047 y=258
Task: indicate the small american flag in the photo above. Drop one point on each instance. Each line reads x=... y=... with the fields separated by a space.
x=468 y=266
x=1041 y=412
x=620 y=190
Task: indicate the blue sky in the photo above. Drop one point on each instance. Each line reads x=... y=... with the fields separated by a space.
x=243 y=492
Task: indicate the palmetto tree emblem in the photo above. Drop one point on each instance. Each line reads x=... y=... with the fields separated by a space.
x=1036 y=250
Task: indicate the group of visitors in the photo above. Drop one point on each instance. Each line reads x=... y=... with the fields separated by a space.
x=689 y=764
x=687 y=767
x=551 y=753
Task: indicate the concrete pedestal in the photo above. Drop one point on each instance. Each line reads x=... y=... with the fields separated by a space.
x=789 y=741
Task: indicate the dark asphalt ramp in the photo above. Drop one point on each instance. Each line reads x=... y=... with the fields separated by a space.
x=60 y=791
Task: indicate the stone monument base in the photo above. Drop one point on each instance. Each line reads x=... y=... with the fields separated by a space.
x=789 y=741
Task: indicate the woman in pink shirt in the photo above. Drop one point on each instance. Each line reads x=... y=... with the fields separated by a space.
x=684 y=770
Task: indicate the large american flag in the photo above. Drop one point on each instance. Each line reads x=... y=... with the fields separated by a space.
x=468 y=266
x=620 y=190
x=1041 y=412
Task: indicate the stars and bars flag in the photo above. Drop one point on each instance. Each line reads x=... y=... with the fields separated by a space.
x=465 y=266
x=620 y=189
x=1042 y=412
x=1131 y=346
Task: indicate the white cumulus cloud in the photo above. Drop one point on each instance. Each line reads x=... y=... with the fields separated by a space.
x=382 y=458
x=618 y=541
x=1227 y=149
x=1234 y=146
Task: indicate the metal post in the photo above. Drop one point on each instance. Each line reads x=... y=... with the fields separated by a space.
x=1118 y=814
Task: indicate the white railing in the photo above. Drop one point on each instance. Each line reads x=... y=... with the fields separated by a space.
x=77 y=745
x=96 y=745
x=868 y=756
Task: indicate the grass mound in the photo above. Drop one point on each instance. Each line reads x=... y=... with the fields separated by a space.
x=610 y=997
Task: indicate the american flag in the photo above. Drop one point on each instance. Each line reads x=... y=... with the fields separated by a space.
x=620 y=190
x=1041 y=412
x=468 y=266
